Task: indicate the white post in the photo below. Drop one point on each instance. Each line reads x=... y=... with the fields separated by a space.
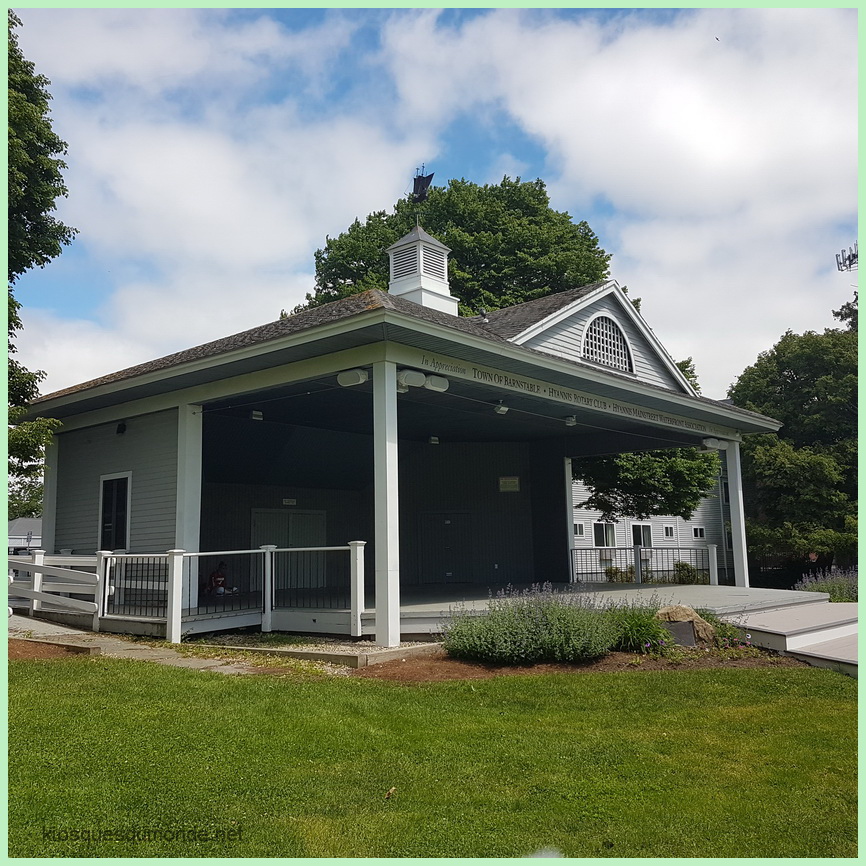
x=738 y=519
x=356 y=586
x=267 y=585
x=386 y=513
x=714 y=564
x=37 y=557
x=173 y=611
x=102 y=560
x=638 y=565
x=188 y=507
x=569 y=518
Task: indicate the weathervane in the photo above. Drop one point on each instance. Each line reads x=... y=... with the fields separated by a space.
x=420 y=185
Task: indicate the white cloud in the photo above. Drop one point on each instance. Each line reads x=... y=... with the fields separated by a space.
x=217 y=153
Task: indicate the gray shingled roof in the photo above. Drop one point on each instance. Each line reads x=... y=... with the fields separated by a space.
x=501 y=325
x=511 y=321
x=336 y=311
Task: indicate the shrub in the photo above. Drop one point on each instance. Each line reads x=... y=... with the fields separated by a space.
x=685 y=572
x=840 y=584
x=617 y=575
x=537 y=625
x=637 y=629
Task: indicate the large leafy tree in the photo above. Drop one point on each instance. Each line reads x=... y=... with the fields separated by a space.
x=508 y=246
x=35 y=237
x=800 y=484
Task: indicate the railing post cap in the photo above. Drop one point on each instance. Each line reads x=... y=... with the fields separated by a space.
x=358 y=542
x=179 y=550
x=268 y=547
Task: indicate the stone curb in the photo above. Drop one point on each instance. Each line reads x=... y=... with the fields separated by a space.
x=352 y=660
x=70 y=647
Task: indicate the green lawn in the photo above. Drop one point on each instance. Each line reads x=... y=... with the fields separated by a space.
x=727 y=763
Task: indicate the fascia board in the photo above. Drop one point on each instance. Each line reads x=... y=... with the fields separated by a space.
x=610 y=288
x=759 y=423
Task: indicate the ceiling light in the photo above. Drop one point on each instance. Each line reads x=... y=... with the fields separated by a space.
x=256 y=415
x=499 y=409
x=570 y=421
x=433 y=440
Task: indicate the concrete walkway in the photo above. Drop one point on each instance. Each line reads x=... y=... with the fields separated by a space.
x=25 y=627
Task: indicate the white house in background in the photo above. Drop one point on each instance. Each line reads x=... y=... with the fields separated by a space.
x=666 y=539
x=444 y=442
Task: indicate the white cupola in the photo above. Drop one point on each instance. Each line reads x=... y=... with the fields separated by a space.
x=419 y=271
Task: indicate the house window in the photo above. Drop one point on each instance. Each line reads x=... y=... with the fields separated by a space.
x=698 y=532
x=604 y=534
x=605 y=344
x=578 y=530
x=642 y=534
x=729 y=539
x=669 y=533
x=726 y=493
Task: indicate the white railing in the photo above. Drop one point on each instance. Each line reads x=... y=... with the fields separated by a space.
x=50 y=587
x=167 y=587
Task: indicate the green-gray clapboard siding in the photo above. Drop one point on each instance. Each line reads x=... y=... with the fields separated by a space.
x=565 y=339
x=148 y=449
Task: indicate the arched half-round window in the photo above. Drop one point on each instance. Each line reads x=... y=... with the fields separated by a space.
x=605 y=344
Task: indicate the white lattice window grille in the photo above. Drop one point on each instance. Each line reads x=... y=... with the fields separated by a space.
x=404 y=262
x=434 y=262
x=605 y=344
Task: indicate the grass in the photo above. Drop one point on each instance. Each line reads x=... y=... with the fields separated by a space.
x=719 y=763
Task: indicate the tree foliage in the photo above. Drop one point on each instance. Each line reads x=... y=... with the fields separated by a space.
x=507 y=246
x=800 y=484
x=35 y=236
x=641 y=484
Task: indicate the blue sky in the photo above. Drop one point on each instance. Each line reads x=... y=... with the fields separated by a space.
x=211 y=152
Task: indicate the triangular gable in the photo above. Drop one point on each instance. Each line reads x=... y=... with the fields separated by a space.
x=563 y=333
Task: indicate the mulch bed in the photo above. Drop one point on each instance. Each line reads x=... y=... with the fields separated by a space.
x=26 y=649
x=437 y=667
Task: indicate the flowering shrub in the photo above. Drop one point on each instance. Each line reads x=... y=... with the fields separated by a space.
x=841 y=584
x=535 y=625
x=638 y=630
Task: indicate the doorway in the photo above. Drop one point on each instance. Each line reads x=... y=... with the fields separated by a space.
x=445 y=547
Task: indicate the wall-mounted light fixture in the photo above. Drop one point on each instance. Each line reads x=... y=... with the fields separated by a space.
x=570 y=421
x=257 y=415
x=436 y=383
x=433 y=440
x=500 y=409
x=121 y=428
x=713 y=444
x=411 y=378
x=352 y=377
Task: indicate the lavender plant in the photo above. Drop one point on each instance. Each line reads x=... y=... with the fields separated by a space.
x=841 y=584
x=532 y=625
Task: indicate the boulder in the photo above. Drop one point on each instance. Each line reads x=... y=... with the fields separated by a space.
x=680 y=613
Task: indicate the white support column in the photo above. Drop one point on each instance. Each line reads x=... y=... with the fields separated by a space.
x=738 y=519
x=267 y=585
x=188 y=509
x=386 y=513
x=49 y=494
x=569 y=518
x=356 y=585
x=174 y=611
